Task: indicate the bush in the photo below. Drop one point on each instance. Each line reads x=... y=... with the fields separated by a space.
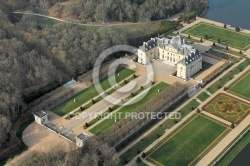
x=214 y=44
x=198 y=111
x=143 y=155
x=205 y=36
x=138 y=159
x=232 y=126
x=86 y=124
x=237 y=29
x=81 y=108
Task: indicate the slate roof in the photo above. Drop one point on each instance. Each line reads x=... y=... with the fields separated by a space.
x=190 y=58
x=83 y=137
x=178 y=42
x=40 y=114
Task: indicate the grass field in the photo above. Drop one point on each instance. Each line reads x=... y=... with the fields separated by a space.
x=183 y=148
x=241 y=87
x=228 y=37
x=228 y=108
x=230 y=75
x=155 y=134
x=88 y=94
x=129 y=108
x=203 y=96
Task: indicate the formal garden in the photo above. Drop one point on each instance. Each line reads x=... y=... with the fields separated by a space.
x=187 y=144
x=221 y=35
x=89 y=93
x=228 y=108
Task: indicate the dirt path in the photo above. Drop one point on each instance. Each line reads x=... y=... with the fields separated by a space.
x=98 y=25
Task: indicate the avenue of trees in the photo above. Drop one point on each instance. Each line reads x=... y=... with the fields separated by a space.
x=124 y=127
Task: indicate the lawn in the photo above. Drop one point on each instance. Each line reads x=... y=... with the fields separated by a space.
x=88 y=94
x=155 y=134
x=227 y=37
x=203 y=96
x=113 y=108
x=184 y=148
x=241 y=86
x=228 y=108
x=230 y=75
x=129 y=108
x=205 y=66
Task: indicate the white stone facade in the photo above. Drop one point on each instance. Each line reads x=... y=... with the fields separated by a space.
x=187 y=59
x=41 y=117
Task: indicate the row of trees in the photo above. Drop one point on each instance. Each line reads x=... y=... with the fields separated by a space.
x=125 y=127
